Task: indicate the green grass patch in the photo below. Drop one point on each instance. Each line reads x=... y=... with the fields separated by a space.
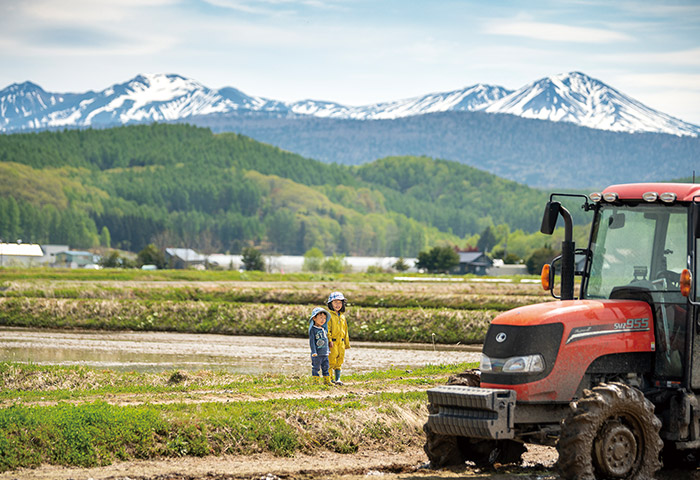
x=30 y=382
x=99 y=433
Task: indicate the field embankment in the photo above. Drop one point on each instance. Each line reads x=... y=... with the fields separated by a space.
x=379 y=310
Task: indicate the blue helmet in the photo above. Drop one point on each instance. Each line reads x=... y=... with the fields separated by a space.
x=336 y=296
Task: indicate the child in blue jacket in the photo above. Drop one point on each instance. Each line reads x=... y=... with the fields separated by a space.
x=318 y=341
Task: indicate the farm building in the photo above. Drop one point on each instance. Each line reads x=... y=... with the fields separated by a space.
x=20 y=254
x=473 y=262
x=182 y=258
x=76 y=259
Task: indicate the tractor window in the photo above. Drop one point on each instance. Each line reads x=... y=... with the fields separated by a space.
x=643 y=245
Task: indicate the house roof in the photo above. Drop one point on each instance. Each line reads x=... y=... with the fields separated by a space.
x=21 y=250
x=75 y=253
x=475 y=258
x=185 y=254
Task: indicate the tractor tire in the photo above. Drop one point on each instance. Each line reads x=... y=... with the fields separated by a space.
x=442 y=450
x=610 y=433
x=485 y=453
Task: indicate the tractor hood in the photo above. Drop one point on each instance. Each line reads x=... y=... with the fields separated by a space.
x=576 y=313
x=569 y=336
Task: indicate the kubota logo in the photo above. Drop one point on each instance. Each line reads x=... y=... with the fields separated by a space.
x=501 y=337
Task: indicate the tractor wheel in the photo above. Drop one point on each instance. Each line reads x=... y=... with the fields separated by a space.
x=442 y=450
x=485 y=453
x=610 y=433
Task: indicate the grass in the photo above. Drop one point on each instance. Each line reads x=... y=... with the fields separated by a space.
x=120 y=274
x=31 y=382
x=378 y=411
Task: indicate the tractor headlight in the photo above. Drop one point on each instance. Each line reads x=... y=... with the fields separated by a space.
x=520 y=364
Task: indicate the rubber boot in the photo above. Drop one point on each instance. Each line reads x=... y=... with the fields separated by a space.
x=315 y=379
x=337 y=377
x=327 y=380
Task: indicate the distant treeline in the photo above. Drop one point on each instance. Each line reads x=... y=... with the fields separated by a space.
x=180 y=185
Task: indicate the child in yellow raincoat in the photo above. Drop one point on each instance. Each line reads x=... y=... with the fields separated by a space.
x=337 y=334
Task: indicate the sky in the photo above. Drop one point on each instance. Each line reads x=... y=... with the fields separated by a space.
x=357 y=52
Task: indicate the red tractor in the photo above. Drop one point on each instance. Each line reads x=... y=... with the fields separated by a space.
x=610 y=376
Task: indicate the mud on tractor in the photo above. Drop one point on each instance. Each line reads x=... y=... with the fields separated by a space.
x=610 y=373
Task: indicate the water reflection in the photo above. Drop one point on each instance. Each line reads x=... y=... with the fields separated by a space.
x=158 y=351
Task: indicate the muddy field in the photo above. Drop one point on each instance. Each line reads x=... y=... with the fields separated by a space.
x=410 y=465
x=159 y=351
x=404 y=465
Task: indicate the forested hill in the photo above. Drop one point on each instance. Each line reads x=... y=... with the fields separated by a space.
x=538 y=153
x=179 y=185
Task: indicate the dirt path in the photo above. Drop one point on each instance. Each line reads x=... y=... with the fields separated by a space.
x=326 y=465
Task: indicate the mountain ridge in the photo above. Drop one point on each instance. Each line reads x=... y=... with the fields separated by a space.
x=572 y=97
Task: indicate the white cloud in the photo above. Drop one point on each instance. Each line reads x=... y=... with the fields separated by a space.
x=85 y=11
x=670 y=81
x=680 y=58
x=270 y=7
x=555 y=32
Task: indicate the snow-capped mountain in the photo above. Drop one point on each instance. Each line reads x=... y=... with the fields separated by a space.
x=20 y=104
x=471 y=99
x=577 y=98
x=572 y=97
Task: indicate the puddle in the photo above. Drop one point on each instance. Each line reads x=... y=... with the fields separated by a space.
x=159 y=351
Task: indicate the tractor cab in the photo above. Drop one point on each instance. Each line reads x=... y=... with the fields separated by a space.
x=642 y=247
x=638 y=252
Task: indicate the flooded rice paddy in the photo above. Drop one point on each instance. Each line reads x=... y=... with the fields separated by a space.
x=159 y=351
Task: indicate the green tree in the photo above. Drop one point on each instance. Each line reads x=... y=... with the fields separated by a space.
x=334 y=264
x=313 y=259
x=12 y=226
x=400 y=265
x=487 y=240
x=105 y=237
x=281 y=230
x=252 y=259
x=438 y=259
x=538 y=258
x=511 y=259
x=151 y=255
x=114 y=259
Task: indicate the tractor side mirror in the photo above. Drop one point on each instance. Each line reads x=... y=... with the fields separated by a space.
x=549 y=219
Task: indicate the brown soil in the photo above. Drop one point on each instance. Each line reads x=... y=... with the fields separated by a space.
x=409 y=465
x=326 y=465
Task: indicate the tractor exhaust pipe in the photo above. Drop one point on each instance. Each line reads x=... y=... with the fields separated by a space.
x=549 y=221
